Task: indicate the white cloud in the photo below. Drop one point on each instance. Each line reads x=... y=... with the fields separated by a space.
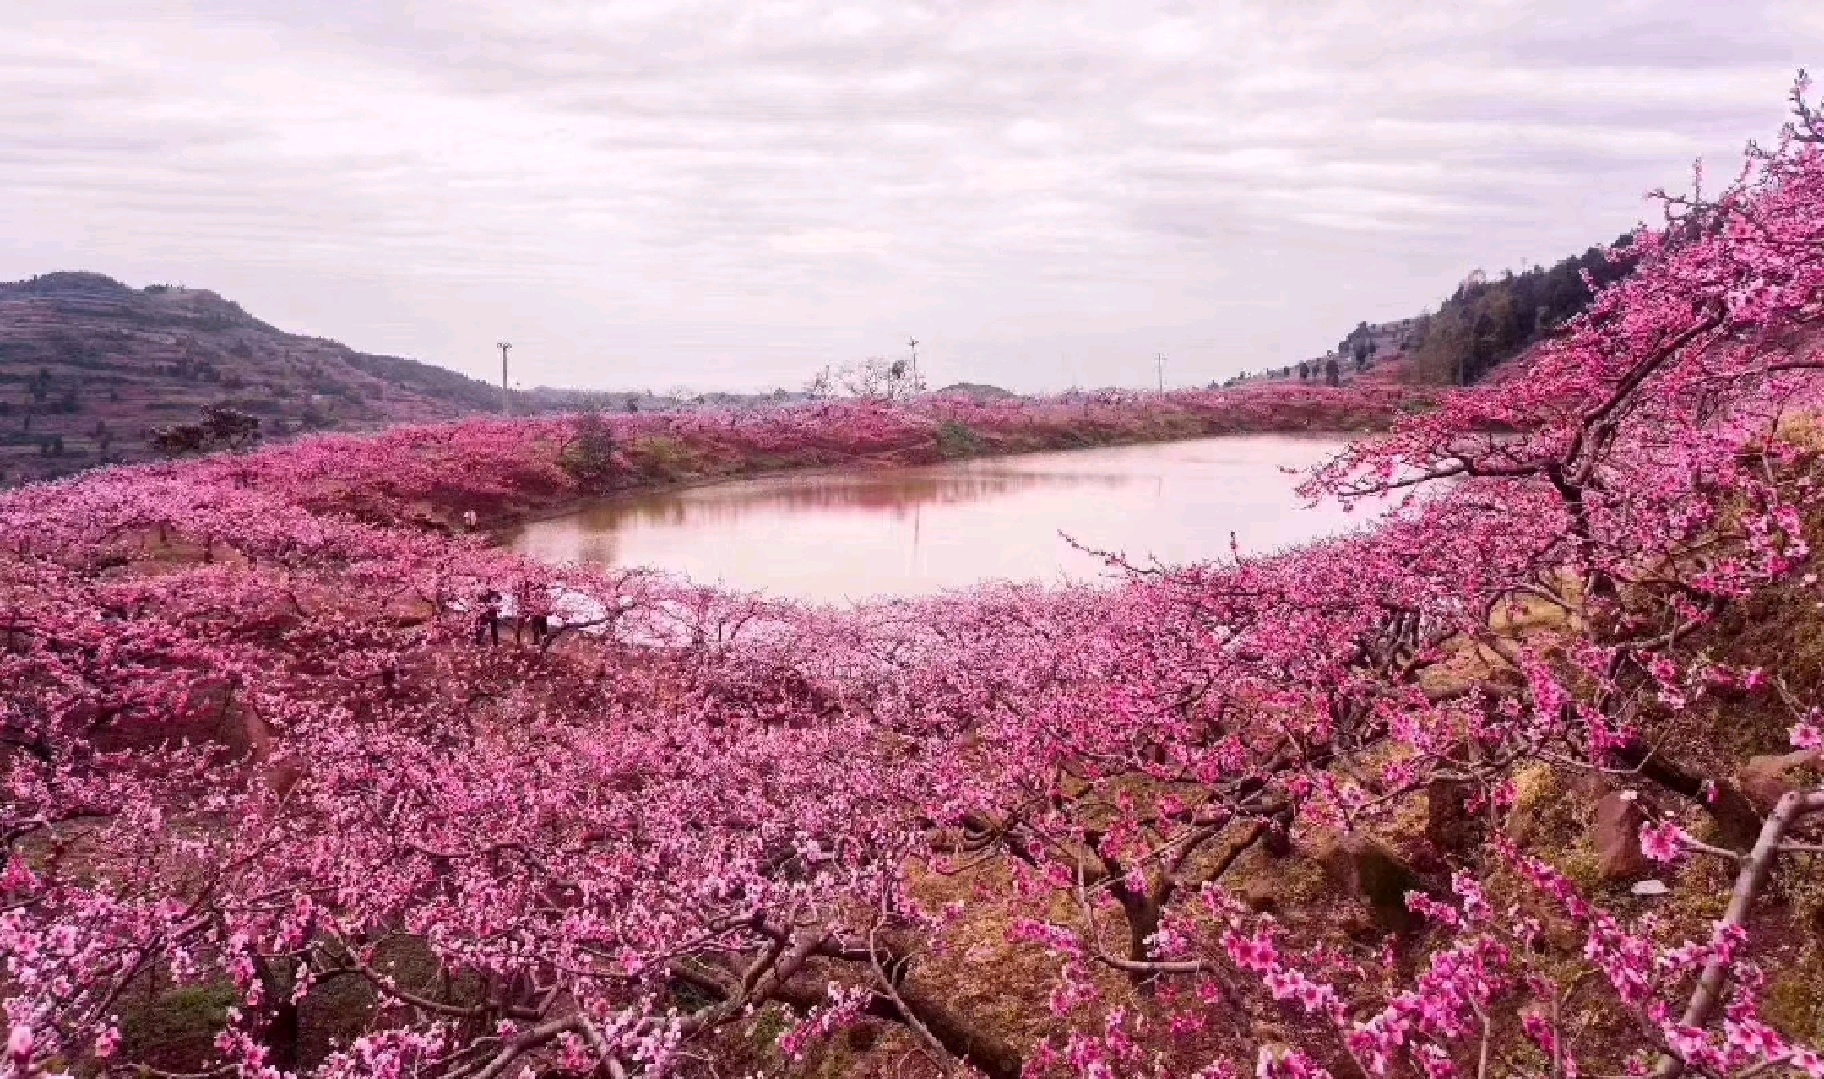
x=1173 y=39
x=832 y=242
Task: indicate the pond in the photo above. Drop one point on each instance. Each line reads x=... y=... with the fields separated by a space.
x=836 y=536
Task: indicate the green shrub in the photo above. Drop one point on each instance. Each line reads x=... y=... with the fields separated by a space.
x=667 y=458
x=175 y=1029
x=957 y=440
x=589 y=455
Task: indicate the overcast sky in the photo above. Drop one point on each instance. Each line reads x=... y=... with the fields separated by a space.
x=731 y=195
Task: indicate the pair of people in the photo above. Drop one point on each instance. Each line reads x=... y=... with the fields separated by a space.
x=488 y=617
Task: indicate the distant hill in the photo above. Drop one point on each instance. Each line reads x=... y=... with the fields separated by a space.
x=1487 y=322
x=981 y=391
x=1480 y=327
x=1369 y=353
x=88 y=366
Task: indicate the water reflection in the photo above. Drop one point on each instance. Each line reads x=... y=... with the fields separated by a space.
x=847 y=535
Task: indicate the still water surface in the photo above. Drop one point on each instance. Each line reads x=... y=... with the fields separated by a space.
x=844 y=536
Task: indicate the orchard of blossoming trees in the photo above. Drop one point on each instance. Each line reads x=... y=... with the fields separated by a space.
x=298 y=782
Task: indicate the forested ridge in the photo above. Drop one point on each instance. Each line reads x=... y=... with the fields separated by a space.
x=1487 y=321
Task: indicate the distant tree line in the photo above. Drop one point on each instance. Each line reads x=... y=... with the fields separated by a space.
x=1485 y=322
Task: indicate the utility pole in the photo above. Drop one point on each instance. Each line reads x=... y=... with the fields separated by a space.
x=1159 y=362
x=912 y=342
x=506 y=401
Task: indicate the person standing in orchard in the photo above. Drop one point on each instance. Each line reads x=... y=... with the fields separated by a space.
x=487 y=619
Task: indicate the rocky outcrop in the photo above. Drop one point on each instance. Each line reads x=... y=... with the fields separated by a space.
x=1615 y=833
x=1765 y=780
x=1376 y=874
